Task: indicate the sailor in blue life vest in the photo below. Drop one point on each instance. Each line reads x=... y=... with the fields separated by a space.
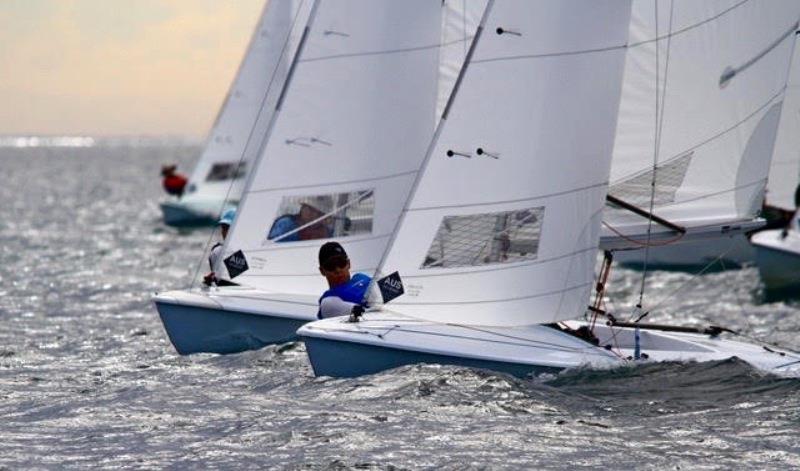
x=346 y=294
x=224 y=223
x=298 y=226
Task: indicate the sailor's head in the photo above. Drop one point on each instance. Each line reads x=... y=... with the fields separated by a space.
x=315 y=208
x=167 y=170
x=226 y=221
x=334 y=264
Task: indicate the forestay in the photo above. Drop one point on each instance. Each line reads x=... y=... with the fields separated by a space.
x=502 y=227
x=704 y=84
x=784 y=173
x=241 y=123
x=346 y=144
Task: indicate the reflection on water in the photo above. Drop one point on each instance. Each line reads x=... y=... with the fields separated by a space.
x=89 y=379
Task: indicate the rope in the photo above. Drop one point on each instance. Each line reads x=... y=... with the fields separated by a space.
x=659 y=116
x=645 y=243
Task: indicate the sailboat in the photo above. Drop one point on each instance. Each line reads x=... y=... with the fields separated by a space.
x=736 y=249
x=494 y=253
x=235 y=139
x=778 y=250
x=347 y=138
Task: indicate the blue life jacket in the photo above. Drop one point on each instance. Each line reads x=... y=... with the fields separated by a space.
x=282 y=225
x=353 y=291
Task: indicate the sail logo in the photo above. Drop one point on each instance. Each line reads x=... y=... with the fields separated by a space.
x=236 y=264
x=391 y=286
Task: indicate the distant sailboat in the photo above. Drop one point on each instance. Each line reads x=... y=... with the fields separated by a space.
x=676 y=172
x=778 y=250
x=347 y=139
x=236 y=137
x=496 y=245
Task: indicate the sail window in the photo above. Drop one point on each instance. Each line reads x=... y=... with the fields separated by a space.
x=486 y=239
x=636 y=190
x=222 y=171
x=323 y=216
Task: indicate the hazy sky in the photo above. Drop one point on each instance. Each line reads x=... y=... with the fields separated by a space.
x=119 y=67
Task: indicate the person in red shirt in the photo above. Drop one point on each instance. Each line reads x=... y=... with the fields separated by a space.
x=173 y=182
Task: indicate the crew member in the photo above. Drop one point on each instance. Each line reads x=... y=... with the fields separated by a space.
x=174 y=183
x=224 y=223
x=346 y=294
x=299 y=226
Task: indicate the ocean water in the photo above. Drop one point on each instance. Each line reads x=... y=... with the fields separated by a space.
x=88 y=378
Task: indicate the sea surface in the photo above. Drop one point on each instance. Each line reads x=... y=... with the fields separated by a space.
x=88 y=378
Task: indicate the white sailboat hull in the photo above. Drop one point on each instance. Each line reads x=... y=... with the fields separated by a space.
x=778 y=259
x=726 y=253
x=192 y=211
x=231 y=319
x=384 y=341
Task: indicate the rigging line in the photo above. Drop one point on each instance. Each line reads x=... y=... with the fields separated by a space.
x=647 y=243
x=669 y=296
x=546 y=55
x=315 y=274
x=690 y=27
x=482 y=329
x=506 y=266
x=520 y=200
x=659 y=124
x=313 y=243
x=226 y=199
x=380 y=53
x=504 y=300
x=345 y=182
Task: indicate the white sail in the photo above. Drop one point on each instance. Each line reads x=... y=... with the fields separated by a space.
x=239 y=128
x=460 y=19
x=784 y=173
x=346 y=144
x=704 y=84
x=503 y=224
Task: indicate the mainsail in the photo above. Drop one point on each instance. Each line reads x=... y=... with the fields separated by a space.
x=239 y=128
x=701 y=103
x=503 y=225
x=346 y=142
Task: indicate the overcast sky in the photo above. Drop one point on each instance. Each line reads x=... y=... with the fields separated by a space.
x=119 y=67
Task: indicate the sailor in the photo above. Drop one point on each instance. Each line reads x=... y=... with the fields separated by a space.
x=297 y=226
x=224 y=223
x=346 y=294
x=174 y=183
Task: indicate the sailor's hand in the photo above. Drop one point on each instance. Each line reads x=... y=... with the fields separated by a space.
x=356 y=313
x=209 y=279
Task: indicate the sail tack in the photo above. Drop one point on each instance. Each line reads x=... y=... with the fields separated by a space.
x=503 y=226
x=346 y=144
x=701 y=103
